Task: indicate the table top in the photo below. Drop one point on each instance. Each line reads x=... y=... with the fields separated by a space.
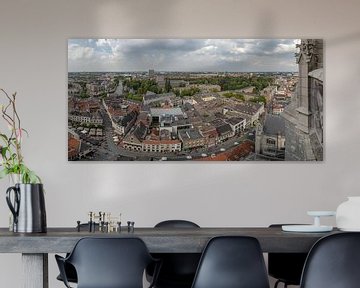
x=158 y=240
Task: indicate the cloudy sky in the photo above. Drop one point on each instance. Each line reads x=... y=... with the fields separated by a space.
x=242 y=55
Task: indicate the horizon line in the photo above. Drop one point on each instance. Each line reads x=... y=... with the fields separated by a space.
x=166 y=71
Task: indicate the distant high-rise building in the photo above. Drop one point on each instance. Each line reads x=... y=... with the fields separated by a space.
x=304 y=115
x=151 y=73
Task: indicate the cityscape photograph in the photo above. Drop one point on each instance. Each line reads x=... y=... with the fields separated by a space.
x=195 y=100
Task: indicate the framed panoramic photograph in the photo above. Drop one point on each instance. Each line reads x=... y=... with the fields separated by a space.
x=195 y=100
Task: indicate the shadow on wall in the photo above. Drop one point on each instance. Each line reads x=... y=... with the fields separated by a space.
x=345 y=39
x=265 y=24
x=136 y=17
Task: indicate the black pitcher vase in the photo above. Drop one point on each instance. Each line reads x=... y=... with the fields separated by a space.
x=27 y=204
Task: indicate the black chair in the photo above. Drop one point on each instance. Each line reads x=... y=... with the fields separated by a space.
x=178 y=269
x=333 y=262
x=176 y=224
x=232 y=262
x=108 y=263
x=69 y=269
x=286 y=267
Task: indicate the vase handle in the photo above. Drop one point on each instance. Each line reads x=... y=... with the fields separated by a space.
x=13 y=208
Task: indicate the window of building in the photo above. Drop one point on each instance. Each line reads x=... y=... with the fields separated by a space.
x=270 y=141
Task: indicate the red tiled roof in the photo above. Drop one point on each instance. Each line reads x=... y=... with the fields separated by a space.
x=233 y=154
x=73 y=147
x=116 y=112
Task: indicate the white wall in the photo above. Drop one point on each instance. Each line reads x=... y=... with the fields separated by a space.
x=33 y=62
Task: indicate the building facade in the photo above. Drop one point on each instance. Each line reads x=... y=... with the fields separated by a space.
x=270 y=138
x=304 y=115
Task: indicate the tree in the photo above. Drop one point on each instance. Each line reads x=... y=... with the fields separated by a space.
x=234 y=95
x=259 y=99
x=83 y=94
x=189 y=92
x=134 y=97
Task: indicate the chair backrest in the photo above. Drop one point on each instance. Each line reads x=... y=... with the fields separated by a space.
x=286 y=266
x=178 y=269
x=110 y=262
x=333 y=262
x=232 y=262
x=176 y=224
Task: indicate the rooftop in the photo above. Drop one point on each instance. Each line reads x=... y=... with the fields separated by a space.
x=274 y=125
x=140 y=131
x=128 y=118
x=156 y=112
x=234 y=120
x=152 y=96
x=190 y=134
x=223 y=129
x=247 y=108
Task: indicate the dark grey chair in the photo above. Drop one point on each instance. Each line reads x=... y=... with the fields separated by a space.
x=232 y=262
x=69 y=269
x=176 y=224
x=70 y=273
x=286 y=267
x=178 y=269
x=108 y=263
x=333 y=262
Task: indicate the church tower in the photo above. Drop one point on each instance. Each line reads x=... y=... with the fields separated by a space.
x=304 y=115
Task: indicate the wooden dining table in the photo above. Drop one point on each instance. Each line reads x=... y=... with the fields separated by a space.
x=35 y=247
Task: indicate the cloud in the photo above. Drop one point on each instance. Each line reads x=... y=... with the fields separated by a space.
x=76 y=52
x=182 y=54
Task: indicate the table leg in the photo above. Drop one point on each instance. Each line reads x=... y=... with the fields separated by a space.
x=35 y=270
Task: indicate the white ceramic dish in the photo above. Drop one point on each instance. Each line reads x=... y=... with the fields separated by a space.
x=306 y=228
x=321 y=213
